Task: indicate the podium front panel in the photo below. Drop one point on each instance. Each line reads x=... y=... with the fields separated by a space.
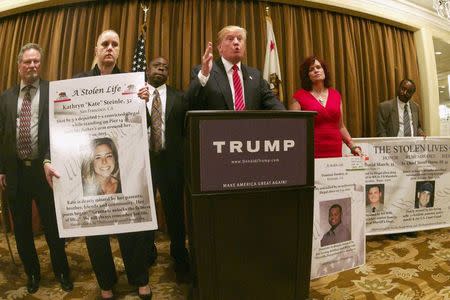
x=249 y=186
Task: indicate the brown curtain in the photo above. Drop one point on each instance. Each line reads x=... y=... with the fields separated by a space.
x=366 y=58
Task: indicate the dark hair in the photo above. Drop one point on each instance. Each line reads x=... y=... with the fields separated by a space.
x=408 y=80
x=304 y=72
x=336 y=206
x=372 y=186
x=109 y=142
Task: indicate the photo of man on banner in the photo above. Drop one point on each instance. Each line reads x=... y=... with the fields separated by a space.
x=424 y=194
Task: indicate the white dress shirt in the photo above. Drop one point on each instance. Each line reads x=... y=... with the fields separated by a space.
x=401 y=108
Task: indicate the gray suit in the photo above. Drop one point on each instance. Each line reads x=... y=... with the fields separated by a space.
x=388 y=122
x=217 y=95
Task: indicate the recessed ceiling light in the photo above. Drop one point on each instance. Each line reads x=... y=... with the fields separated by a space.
x=441 y=92
x=438 y=52
x=442 y=86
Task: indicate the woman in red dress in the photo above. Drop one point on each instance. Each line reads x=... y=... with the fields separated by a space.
x=317 y=95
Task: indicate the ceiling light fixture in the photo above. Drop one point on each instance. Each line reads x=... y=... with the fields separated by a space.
x=442 y=8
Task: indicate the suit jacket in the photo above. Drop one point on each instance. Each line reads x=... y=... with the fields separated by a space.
x=8 y=128
x=217 y=95
x=387 y=118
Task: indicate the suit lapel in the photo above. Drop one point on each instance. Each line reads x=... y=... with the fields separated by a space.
x=14 y=115
x=247 y=82
x=395 y=121
x=43 y=94
x=415 y=116
x=221 y=78
x=169 y=102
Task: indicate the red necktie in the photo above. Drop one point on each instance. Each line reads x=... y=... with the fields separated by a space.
x=24 y=142
x=239 y=103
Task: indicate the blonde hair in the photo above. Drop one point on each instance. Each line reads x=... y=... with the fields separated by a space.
x=230 y=28
x=105 y=32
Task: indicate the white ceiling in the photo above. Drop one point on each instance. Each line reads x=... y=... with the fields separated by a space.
x=428 y=4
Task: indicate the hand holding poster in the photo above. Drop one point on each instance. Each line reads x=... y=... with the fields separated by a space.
x=98 y=143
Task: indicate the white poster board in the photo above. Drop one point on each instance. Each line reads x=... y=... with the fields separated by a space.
x=98 y=144
x=339 y=222
x=413 y=175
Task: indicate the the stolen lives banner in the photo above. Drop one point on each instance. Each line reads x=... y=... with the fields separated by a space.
x=98 y=144
x=407 y=184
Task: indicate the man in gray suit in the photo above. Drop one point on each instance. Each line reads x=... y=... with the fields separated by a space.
x=400 y=116
x=226 y=83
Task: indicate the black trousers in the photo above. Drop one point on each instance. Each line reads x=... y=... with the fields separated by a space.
x=133 y=248
x=31 y=184
x=168 y=178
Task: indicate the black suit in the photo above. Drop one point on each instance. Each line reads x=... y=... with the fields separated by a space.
x=217 y=95
x=167 y=173
x=26 y=182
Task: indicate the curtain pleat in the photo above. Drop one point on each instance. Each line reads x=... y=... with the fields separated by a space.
x=366 y=59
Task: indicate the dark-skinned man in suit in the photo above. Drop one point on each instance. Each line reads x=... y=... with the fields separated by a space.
x=400 y=117
x=166 y=158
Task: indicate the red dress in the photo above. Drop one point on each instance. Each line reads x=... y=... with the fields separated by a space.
x=327 y=136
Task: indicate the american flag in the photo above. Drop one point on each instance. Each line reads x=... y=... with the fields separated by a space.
x=139 y=61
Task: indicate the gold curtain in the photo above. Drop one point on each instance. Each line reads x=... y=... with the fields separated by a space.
x=366 y=58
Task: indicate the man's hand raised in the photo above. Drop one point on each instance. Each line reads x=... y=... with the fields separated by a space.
x=207 y=60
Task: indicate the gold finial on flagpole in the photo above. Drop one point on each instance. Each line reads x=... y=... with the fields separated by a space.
x=145 y=8
x=267 y=11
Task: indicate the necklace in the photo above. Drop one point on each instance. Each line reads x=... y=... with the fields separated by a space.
x=321 y=97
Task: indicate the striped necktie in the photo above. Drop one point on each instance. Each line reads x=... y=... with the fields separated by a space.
x=24 y=142
x=156 y=120
x=239 y=103
x=406 y=122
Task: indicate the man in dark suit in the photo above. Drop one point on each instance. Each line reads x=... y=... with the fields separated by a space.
x=393 y=113
x=167 y=110
x=24 y=140
x=226 y=83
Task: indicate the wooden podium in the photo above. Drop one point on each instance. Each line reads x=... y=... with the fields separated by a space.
x=250 y=192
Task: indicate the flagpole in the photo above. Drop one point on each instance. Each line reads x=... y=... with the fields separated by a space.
x=272 y=70
x=139 y=60
x=145 y=8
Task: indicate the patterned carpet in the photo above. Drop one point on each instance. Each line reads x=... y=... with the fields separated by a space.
x=408 y=269
x=13 y=279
